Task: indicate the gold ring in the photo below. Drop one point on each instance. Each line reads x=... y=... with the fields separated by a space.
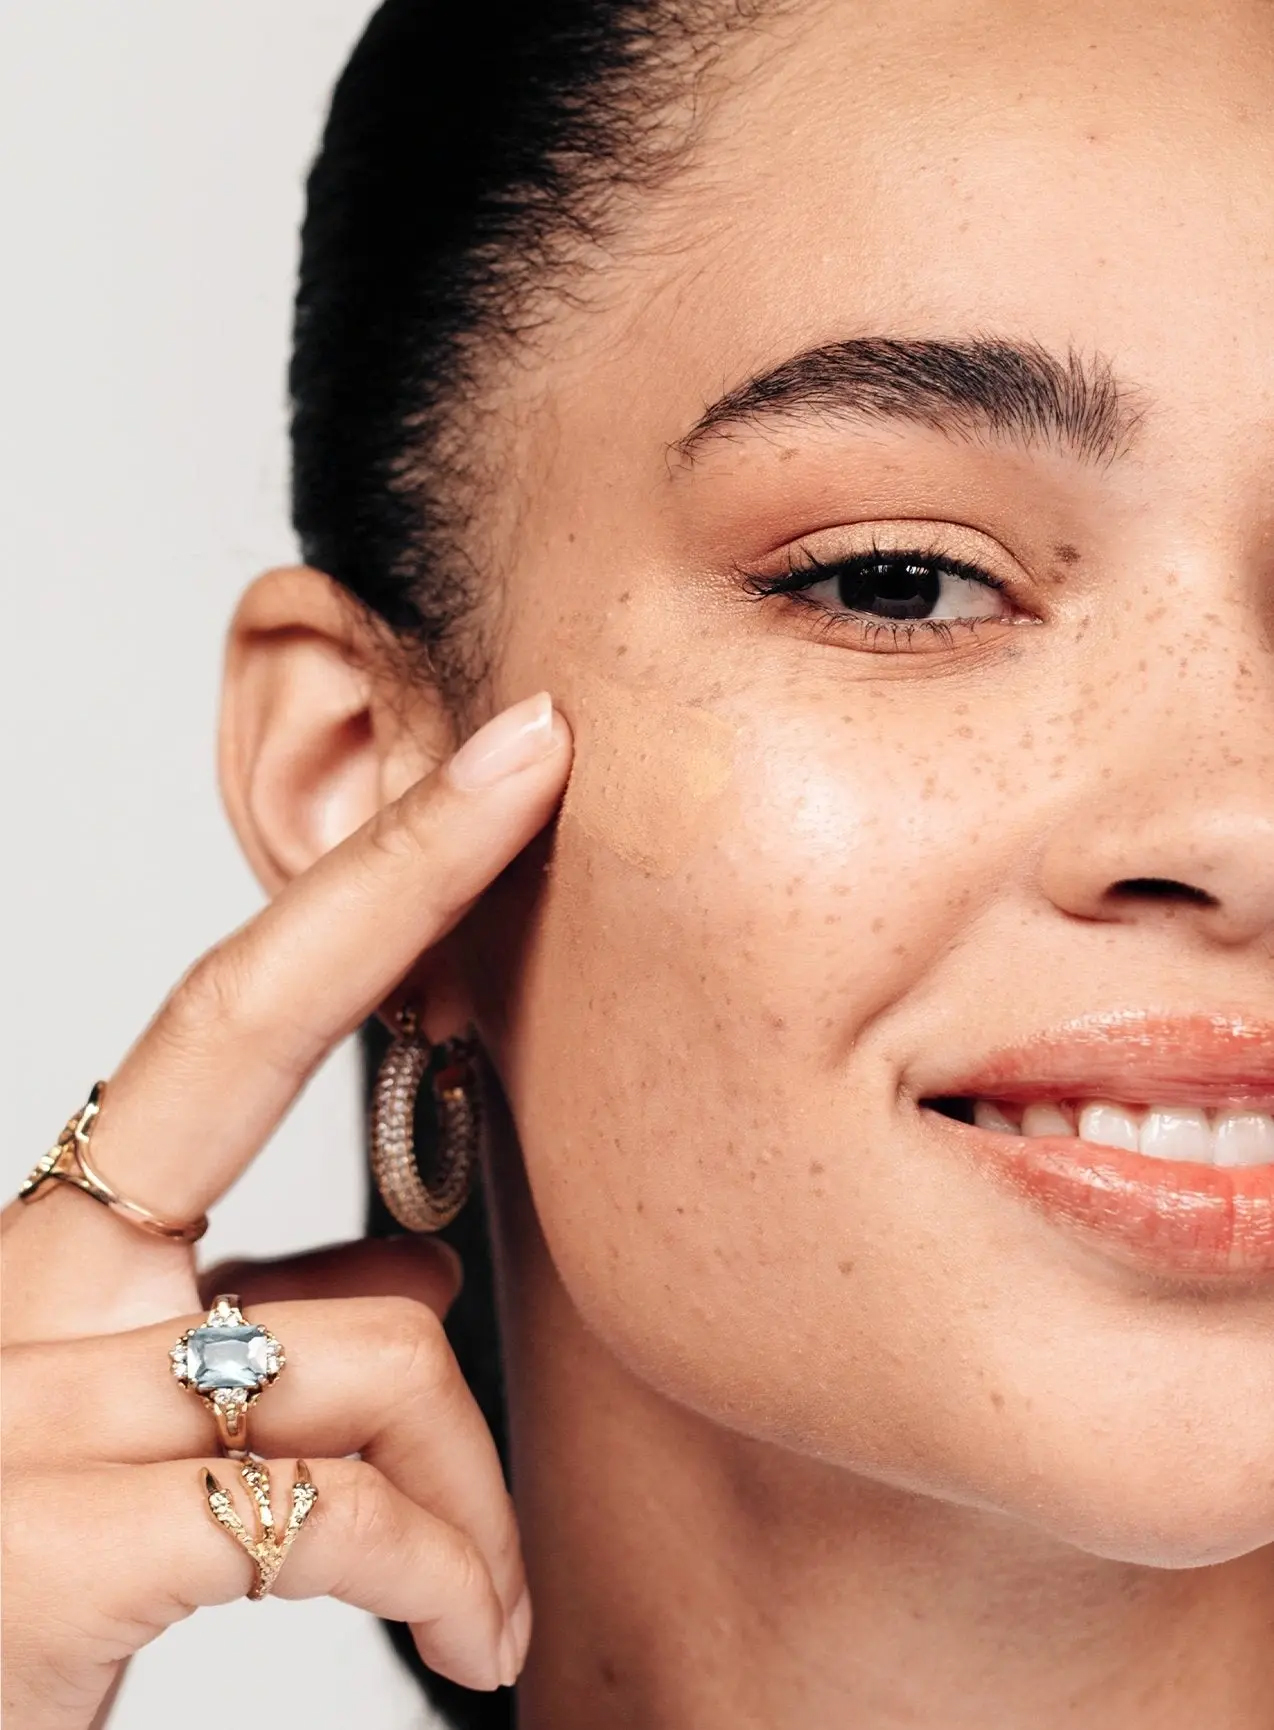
x=67 y=1161
x=267 y=1546
x=228 y=1361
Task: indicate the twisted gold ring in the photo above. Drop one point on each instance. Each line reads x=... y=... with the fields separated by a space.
x=67 y=1161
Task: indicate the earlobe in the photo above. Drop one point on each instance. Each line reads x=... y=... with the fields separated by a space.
x=314 y=738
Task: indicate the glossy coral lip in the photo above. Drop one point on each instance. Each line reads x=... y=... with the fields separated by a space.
x=1137 y=1058
x=1169 y=1217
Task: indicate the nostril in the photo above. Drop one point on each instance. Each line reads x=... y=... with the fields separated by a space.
x=1160 y=889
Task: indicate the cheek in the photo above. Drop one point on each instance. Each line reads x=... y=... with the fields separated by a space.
x=704 y=1073
x=697 y=1124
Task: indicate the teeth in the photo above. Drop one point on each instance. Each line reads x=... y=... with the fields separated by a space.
x=1244 y=1138
x=988 y=1115
x=1109 y=1126
x=1046 y=1120
x=1174 y=1132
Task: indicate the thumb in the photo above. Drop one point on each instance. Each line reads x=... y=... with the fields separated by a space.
x=417 y=1267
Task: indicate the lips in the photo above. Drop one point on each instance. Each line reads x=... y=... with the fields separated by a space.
x=1187 y=1189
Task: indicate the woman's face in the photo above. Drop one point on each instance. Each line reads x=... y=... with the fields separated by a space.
x=815 y=869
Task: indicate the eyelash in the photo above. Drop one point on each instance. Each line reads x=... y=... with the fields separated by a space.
x=794 y=583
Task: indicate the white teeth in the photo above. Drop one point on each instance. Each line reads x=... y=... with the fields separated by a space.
x=987 y=1115
x=1176 y=1132
x=1046 y=1120
x=1184 y=1133
x=1243 y=1138
x=1109 y=1126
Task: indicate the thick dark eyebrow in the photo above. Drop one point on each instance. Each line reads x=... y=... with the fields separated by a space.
x=1011 y=390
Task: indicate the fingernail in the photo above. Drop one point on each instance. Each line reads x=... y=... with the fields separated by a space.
x=520 y=1625
x=511 y=740
x=509 y=1664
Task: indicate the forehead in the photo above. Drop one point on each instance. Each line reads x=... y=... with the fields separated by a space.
x=1088 y=177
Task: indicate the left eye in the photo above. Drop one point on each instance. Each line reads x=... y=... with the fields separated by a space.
x=905 y=587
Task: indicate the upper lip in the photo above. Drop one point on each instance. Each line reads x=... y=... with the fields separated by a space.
x=1134 y=1057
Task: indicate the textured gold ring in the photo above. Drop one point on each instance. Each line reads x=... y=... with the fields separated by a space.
x=266 y=1544
x=228 y=1361
x=67 y=1161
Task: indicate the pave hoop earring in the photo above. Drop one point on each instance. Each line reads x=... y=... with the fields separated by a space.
x=416 y=1203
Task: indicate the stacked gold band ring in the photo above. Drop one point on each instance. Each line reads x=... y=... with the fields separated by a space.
x=226 y=1360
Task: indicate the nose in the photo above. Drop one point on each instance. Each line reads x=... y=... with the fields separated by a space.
x=1178 y=822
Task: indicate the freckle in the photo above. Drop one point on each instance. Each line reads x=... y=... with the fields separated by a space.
x=641 y=1207
x=817 y=1168
x=997 y=1399
x=878 y=925
x=622 y=649
x=845 y=1267
x=1066 y=553
x=625 y=597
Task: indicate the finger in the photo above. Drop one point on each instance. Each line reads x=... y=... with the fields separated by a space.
x=135 y=1549
x=417 y=1267
x=210 y=1078
x=374 y=1376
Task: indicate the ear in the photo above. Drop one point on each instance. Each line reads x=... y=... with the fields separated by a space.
x=319 y=728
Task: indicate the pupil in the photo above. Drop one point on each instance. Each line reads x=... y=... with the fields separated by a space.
x=892 y=589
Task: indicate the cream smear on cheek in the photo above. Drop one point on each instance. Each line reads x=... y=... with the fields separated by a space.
x=651 y=776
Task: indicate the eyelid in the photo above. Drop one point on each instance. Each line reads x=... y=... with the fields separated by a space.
x=894 y=537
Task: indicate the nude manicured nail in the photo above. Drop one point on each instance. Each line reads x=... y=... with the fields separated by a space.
x=511 y=740
x=510 y=1659
x=520 y=1626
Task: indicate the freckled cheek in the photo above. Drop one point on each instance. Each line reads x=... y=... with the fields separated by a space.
x=673 y=1004
x=700 y=1133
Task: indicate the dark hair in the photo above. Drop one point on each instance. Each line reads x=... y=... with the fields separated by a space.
x=475 y=158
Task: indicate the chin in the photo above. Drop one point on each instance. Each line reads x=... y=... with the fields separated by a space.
x=1175 y=1513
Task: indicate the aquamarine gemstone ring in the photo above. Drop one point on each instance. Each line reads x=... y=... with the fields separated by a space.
x=228 y=1361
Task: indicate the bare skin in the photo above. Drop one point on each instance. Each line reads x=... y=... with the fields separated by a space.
x=817 y=1422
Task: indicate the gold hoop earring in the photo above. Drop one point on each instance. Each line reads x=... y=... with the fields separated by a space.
x=416 y=1204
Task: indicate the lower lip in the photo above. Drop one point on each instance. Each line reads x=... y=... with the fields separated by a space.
x=1164 y=1216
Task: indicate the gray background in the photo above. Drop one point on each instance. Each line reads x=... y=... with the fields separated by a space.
x=151 y=159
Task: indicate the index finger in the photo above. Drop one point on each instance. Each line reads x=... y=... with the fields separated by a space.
x=217 y=1068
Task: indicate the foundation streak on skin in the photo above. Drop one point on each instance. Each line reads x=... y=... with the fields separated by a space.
x=651 y=776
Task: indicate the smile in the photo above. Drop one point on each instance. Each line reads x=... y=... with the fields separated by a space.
x=1151 y=1138
x=1170 y=1132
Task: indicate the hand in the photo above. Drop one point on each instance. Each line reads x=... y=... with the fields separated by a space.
x=108 y=1538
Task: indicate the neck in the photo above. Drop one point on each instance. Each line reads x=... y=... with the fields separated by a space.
x=684 y=1575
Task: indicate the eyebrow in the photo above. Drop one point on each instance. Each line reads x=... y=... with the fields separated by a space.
x=1009 y=390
